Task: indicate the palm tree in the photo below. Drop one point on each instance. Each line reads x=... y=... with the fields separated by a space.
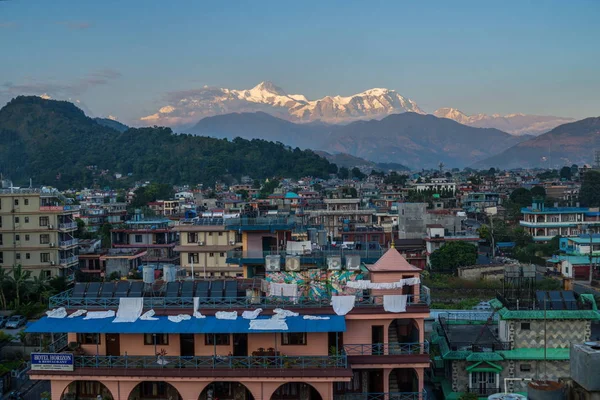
x=19 y=277
x=39 y=286
x=3 y=279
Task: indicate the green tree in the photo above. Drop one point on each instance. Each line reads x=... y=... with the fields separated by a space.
x=453 y=255
x=105 y=235
x=521 y=237
x=521 y=196
x=19 y=278
x=243 y=194
x=565 y=173
x=538 y=191
x=356 y=173
x=343 y=173
x=4 y=282
x=589 y=195
x=40 y=287
x=395 y=178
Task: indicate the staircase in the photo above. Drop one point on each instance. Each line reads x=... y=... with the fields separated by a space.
x=394 y=388
x=392 y=338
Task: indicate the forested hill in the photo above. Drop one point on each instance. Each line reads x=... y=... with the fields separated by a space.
x=55 y=143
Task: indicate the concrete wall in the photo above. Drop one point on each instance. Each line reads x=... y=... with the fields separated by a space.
x=559 y=333
x=483 y=272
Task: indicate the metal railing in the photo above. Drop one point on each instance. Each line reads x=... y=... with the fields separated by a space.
x=59 y=344
x=315 y=254
x=68 y=225
x=260 y=221
x=385 y=349
x=480 y=348
x=67 y=243
x=382 y=396
x=68 y=260
x=212 y=362
x=66 y=300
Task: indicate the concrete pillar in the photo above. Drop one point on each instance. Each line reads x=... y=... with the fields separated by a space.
x=57 y=388
x=421 y=378
x=189 y=390
x=386 y=379
x=421 y=326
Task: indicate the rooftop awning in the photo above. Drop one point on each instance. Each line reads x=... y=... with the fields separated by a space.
x=335 y=323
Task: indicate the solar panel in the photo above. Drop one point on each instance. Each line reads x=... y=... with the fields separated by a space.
x=570 y=300
x=172 y=289
x=79 y=289
x=202 y=289
x=216 y=290
x=542 y=300
x=231 y=289
x=187 y=289
x=92 y=290
x=108 y=289
x=122 y=289
x=137 y=289
x=556 y=300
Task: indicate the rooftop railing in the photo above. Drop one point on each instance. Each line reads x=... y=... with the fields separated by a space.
x=385 y=349
x=307 y=256
x=382 y=396
x=67 y=243
x=260 y=221
x=68 y=225
x=64 y=299
x=212 y=362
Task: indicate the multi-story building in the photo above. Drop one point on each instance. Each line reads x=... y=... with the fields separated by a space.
x=203 y=246
x=544 y=223
x=36 y=231
x=477 y=202
x=436 y=237
x=94 y=215
x=341 y=215
x=369 y=345
x=436 y=184
x=155 y=236
x=516 y=340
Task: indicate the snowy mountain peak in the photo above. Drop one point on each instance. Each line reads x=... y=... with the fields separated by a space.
x=266 y=86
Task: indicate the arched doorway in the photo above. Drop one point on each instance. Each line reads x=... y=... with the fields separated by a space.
x=86 y=390
x=403 y=380
x=403 y=331
x=154 y=390
x=226 y=391
x=296 y=391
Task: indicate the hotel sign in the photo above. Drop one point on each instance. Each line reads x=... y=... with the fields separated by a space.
x=52 y=362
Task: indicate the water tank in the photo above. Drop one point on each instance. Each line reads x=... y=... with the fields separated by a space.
x=148 y=274
x=322 y=237
x=169 y=273
x=312 y=235
x=585 y=364
x=507 y=396
x=545 y=390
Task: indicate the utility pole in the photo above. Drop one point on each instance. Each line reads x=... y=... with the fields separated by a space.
x=589 y=231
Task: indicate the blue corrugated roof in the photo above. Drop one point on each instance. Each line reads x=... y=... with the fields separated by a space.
x=335 y=323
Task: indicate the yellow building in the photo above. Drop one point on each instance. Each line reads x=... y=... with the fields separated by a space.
x=36 y=231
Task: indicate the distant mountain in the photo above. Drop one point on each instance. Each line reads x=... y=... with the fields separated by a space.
x=191 y=105
x=111 y=123
x=349 y=161
x=418 y=141
x=55 y=143
x=515 y=124
x=572 y=143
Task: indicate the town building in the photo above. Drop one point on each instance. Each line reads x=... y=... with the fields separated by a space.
x=341 y=215
x=477 y=202
x=245 y=339
x=436 y=237
x=36 y=232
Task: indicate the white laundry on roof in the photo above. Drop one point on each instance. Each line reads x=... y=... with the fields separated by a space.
x=99 y=314
x=57 y=313
x=395 y=303
x=231 y=315
x=148 y=316
x=268 y=324
x=342 y=305
x=130 y=309
x=179 y=318
x=251 y=314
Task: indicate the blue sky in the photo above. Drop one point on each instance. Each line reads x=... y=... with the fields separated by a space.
x=124 y=58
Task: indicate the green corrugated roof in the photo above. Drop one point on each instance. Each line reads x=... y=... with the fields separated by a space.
x=486 y=356
x=535 y=354
x=505 y=313
x=587 y=297
x=485 y=366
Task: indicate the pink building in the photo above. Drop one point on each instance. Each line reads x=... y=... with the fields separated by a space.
x=324 y=352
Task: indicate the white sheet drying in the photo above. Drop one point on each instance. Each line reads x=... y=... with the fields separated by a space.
x=57 y=313
x=342 y=305
x=197 y=313
x=314 y=317
x=268 y=324
x=395 y=303
x=148 y=316
x=130 y=309
x=280 y=313
x=251 y=314
x=77 y=313
x=99 y=314
x=178 y=318
x=226 y=315
x=365 y=284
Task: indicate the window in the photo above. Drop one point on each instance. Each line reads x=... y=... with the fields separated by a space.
x=44 y=221
x=0 y=239
x=27 y=238
x=220 y=233
x=296 y=338
x=209 y=233
x=46 y=273
x=44 y=238
x=217 y=339
x=28 y=256
x=16 y=202
x=525 y=326
x=18 y=256
x=138 y=238
x=161 y=339
x=0 y=222
x=192 y=237
x=26 y=220
x=211 y=254
x=221 y=254
x=192 y=258
x=525 y=367
x=26 y=201
x=17 y=220
x=17 y=237
x=1 y=257
x=45 y=257
x=88 y=338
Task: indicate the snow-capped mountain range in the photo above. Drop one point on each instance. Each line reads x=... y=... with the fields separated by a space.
x=185 y=108
x=515 y=124
x=190 y=106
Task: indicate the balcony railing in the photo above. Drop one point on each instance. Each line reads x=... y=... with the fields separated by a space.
x=382 y=396
x=65 y=299
x=260 y=223
x=68 y=243
x=307 y=257
x=212 y=362
x=68 y=260
x=67 y=225
x=385 y=349
x=479 y=348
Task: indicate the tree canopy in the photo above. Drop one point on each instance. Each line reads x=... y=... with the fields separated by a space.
x=538 y=191
x=521 y=196
x=453 y=255
x=589 y=195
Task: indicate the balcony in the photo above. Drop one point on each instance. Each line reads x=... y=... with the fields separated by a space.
x=384 y=349
x=382 y=396
x=564 y=224
x=68 y=226
x=315 y=257
x=68 y=243
x=484 y=391
x=64 y=262
x=66 y=300
x=260 y=224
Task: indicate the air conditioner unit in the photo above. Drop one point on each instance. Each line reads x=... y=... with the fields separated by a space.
x=232 y=242
x=200 y=243
x=334 y=263
x=272 y=263
x=50 y=226
x=52 y=263
x=52 y=245
x=353 y=262
x=292 y=263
